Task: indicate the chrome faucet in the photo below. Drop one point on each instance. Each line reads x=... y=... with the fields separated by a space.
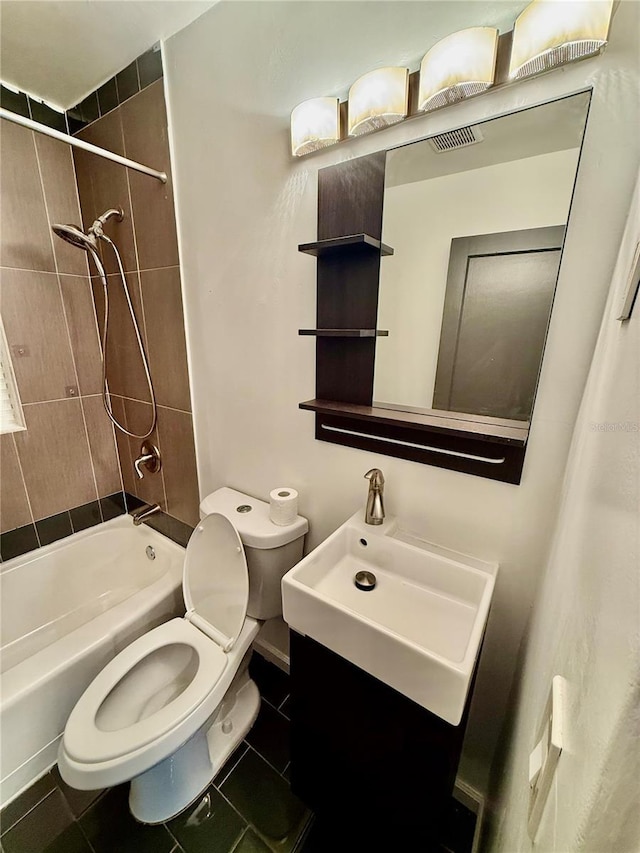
x=375 y=505
x=144 y=512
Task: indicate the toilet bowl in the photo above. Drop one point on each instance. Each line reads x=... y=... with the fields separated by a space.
x=169 y=710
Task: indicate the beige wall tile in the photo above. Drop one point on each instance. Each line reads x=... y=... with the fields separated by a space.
x=26 y=238
x=164 y=319
x=144 y=121
x=54 y=454
x=33 y=317
x=103 y=447
x=85 y=344
x=123 y=447
x=61 y=196
x=103 y=185
x=125 y=370
x=14 y=506
x=179 y=464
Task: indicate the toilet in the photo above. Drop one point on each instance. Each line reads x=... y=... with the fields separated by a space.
x=169 y=710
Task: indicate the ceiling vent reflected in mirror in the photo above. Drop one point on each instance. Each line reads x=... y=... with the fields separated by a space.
x=454 y=139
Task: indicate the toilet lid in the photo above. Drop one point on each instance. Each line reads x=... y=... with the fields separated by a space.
x=215 y=582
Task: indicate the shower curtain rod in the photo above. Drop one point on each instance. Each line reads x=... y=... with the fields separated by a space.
x=80 y=143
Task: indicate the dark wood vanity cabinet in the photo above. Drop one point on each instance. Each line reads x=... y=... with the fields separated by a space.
x=367 y=757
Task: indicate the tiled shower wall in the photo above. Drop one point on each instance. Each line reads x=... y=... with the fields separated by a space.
x=66 y=458
x=148 y=245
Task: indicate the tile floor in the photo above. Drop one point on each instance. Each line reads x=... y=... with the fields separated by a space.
x=249 y=808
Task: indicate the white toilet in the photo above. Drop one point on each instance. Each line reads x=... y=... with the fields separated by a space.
x=168 y=711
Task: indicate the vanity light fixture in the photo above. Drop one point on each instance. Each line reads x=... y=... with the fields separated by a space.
x=314 y=124
x=378 y=99
x=458 y=67
x=548 y=34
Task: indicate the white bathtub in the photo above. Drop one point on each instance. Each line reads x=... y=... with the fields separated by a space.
x=67 y=609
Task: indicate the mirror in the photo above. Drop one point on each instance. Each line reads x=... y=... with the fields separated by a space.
x=476 y=218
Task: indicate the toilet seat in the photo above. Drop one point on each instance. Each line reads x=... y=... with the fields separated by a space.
x=217 y=632
x=86 y=742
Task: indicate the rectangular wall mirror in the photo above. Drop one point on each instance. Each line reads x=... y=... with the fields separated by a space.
x=477 y=220
x=437 y=266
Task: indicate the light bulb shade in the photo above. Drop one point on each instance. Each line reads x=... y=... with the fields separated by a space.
x=378 y=99
x=314 y=124
x=553 y=32
x=457 y=67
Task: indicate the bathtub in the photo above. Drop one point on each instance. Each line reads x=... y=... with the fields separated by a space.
x=68 y=609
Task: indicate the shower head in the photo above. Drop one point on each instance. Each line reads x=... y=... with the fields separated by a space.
x=74 y=235
x=89 y=241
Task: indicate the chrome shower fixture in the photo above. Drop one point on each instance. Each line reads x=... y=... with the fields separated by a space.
x=89 y=242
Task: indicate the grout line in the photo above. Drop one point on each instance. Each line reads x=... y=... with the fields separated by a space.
x=58 y=400
x=31 y=809
x=164 y=485
x=46 y=272
x=236 y=810
x=65 y=316
x=266 y=760
x=114 y=274
x=24 y=483
x=171 y=835
x=282 y=704
x=147 y=403
x=244 y=752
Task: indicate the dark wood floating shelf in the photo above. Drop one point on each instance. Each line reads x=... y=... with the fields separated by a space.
x=450 y=423
x=344 y=333
x=338 y=244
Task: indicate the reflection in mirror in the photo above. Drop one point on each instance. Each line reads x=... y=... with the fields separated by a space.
x=477 y=220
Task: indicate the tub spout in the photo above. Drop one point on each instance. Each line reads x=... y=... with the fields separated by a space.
x=144 y=512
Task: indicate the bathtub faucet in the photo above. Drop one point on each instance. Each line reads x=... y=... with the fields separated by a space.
x=144 y=512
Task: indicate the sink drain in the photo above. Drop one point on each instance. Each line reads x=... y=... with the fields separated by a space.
x=366 y=581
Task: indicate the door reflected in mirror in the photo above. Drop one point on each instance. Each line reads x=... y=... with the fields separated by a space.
x=477 y=220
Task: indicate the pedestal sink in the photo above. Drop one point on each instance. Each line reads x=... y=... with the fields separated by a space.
x=419 y=629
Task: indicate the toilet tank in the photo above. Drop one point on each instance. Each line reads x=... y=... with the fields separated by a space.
x=271 y=550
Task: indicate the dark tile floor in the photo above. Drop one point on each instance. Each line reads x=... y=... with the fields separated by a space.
x=249 y=808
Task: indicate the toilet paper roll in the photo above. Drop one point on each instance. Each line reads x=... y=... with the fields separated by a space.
x=283 y=506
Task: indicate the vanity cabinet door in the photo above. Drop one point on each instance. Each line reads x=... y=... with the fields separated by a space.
x=365 y=756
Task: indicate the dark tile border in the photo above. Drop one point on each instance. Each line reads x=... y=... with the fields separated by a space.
x=54 y=527
x=169 y=526
x=15 y=543
x=85 y=516
x=140 y=74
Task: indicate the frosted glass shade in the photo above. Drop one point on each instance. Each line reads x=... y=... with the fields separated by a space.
x=550 y=33
x=314 y=124
x=378 y=99
x=457 y=67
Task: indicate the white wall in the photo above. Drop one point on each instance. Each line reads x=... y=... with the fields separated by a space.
x=586 y=621
x=420 y=220
x=244 y=205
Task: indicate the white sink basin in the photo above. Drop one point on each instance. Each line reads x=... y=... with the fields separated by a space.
x=419 y=630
